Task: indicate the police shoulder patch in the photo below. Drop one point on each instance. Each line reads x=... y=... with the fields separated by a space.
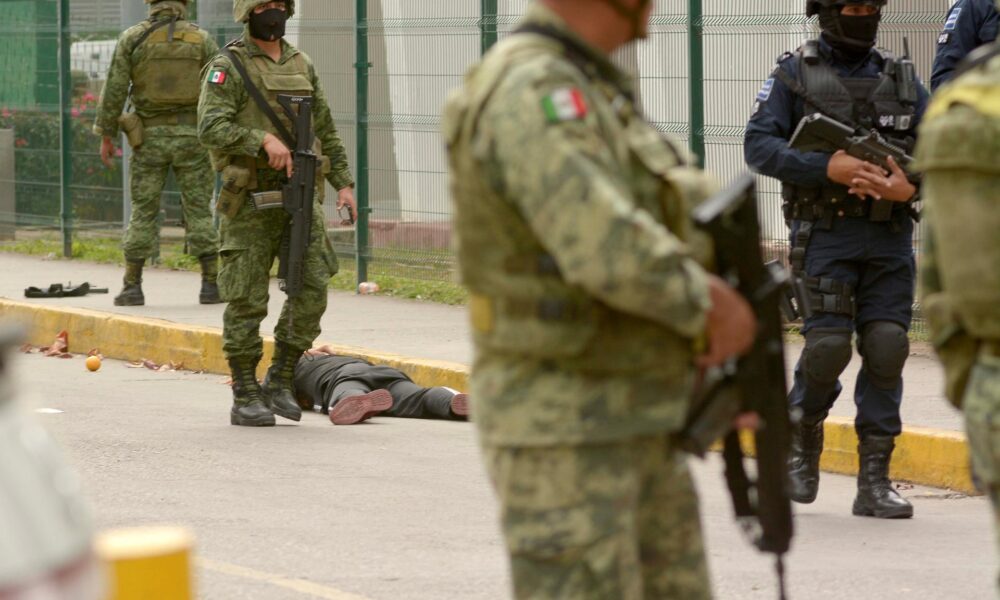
x=944 y=38
x=566 y=104
x=952 y=21
x=765 y=90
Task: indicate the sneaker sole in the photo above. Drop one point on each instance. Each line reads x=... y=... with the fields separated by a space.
x=360 y=408
x=460 y=405
x=265 y=421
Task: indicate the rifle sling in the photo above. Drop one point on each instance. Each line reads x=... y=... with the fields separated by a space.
x=799 y=90
x=259 y=98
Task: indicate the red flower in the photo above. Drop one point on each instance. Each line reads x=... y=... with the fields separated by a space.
x=5 y=113
x=21 y=142
x=89 y=98
x=118 y=151
x=74 y=111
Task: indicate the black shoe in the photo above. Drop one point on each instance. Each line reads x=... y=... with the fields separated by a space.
x=209 y=293
x=803 y=458
x=279 y=386
x=131 y=295
x=252 y=414
x=249 y=408
x=876 y=495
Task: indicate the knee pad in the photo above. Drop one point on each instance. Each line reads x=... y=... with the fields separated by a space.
x=884 y=347
x=828 y=350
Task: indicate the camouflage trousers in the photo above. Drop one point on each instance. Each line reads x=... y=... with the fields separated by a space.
x=600 y=522
x=981 y=405
x=250 y=245
x=164 y=148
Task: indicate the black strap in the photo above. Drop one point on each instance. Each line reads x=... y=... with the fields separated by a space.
x=798 y=89
x=157 y=25
x=259 y=98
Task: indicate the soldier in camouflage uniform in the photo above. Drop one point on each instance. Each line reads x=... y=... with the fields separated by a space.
x=158 y=64
x=960 y=264
x=588 y=307
x=254 y=163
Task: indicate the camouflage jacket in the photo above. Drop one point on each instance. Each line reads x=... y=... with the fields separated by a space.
x=120 y=74
x=224 y=98
x=959 y=154
x=572 y=227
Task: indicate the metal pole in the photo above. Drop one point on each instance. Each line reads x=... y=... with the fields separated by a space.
x=488 y=24
x=696 y=67
x=361 y=127
x=65 y=129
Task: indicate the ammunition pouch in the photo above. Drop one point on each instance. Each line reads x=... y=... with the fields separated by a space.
x=233 y=194
x=132 y=126
x=267 y=200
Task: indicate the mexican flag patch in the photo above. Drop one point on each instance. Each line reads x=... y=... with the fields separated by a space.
x=217 y=76
x=564 y=105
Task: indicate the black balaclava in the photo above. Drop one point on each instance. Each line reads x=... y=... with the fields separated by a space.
x=268 y=25
x=853 y=36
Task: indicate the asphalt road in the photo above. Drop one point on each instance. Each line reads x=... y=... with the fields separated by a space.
x=400 y=509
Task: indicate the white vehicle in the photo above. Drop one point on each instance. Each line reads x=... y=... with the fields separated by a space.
x=46 y=536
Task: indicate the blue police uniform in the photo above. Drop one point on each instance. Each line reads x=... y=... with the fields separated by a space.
x=860 y=272
x=969 y=24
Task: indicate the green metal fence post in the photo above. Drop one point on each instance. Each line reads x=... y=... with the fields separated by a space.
x=361 y=128
x=488 y=24
x=696 y=66
x=66 y=129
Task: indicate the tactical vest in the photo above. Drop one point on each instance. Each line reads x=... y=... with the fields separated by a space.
x=272 y=79
x=960 y=153
x=166 y=71
x=870 y=103
x=521 y=305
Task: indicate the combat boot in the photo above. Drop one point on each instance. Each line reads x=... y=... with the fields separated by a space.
x=279 y=386
x=131 y=294
x=876 y=495
x=209 y=276
x=249 y=408
x=803 y=458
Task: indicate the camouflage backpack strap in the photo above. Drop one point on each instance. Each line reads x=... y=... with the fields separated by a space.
x=156 y=25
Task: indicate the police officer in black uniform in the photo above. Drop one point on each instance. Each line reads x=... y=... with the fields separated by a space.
x=856 y=263
x=969 y=25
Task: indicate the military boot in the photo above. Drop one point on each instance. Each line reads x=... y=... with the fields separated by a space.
x=209 y=276
x=876 y=495
x=279 y=386
x=803 y=459
x=131 y=294
x=249 y=408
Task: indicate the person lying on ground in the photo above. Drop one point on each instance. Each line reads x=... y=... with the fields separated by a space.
x=352 y=390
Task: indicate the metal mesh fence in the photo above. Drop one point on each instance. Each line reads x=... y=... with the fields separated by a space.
x=416 y=52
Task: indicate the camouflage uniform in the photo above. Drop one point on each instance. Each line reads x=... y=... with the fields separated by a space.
x=165 y=100
x=233 y=127
x=960 y=264
x=587 y=302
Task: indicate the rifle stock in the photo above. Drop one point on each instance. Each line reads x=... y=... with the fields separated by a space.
x=754 y=383
x=298 y=196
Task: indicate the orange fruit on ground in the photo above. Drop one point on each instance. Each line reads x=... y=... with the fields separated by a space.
x=93 y=363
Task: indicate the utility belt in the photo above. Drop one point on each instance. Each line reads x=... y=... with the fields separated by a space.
x=179 y=118
x=828 y=203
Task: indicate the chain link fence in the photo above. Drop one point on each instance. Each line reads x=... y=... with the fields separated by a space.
x=388 y=104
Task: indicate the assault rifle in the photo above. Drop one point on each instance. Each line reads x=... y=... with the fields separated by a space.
x=753 y=383
x=298 y=196
x=818 y=132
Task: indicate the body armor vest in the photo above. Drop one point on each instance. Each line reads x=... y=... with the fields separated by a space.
x=166 y=73
x=272 y=79
x=864 y=102
x=521 y=305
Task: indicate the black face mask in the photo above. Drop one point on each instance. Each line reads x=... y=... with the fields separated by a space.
x=268 y=25
x=853 y=36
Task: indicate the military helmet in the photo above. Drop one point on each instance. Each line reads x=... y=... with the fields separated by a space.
x=242 y=8
x=814 y=6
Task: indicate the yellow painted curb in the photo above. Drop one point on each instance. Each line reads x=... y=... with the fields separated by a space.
x=197 y=348
x=925 y=456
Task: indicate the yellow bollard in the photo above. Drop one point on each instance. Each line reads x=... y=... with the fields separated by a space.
x=147 y=563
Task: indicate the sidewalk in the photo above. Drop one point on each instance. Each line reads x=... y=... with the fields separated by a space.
x=428 y=341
